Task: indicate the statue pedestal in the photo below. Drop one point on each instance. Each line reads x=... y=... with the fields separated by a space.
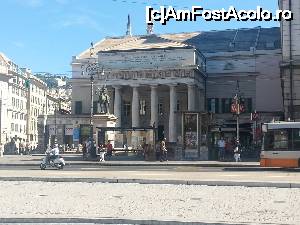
x=104 y=120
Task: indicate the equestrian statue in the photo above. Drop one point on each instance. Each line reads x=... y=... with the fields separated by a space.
x=103 y=100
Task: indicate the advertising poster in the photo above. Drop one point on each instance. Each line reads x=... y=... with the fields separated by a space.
x=76 y=134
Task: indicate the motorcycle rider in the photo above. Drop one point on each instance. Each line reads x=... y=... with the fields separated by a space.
x=54 y=153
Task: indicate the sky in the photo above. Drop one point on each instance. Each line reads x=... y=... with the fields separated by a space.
x=43 y=35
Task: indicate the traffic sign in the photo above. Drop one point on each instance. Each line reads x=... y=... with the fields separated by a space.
x=254 y=116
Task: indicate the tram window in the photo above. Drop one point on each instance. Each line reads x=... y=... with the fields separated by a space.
x=268 y=141
x=296 y=139
x=280 y=139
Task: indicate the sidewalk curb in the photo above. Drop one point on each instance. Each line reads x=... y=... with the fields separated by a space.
x=139 y=164
x=153 y=181
x=100 y=221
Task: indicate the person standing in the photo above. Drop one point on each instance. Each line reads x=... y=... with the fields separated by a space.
x=221 y=148
x=109 y=149
x=163 y=151
x=237 y=152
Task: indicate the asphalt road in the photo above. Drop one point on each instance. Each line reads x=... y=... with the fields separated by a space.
x=167 y=174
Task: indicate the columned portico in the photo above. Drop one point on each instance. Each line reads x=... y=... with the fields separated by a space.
x=135 y=107
x=118 y=105
x=191 y=98
x=154 y=106
x=172 y=116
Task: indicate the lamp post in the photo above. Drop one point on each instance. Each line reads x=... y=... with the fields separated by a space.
x=90 y=69
x=57 y=107
x=237 y=107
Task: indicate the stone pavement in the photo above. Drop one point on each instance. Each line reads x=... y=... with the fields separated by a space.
x=159 y=204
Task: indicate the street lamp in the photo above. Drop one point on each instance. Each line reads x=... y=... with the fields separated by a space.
x=237 y=107
x=90 y=69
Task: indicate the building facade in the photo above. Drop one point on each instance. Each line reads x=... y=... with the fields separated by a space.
x=4 y=98
x=290 y=65
x=17 y=110
x=37 y=94
x=153 y=79
x=249 y=58
x=148 y=83
x=23 y=98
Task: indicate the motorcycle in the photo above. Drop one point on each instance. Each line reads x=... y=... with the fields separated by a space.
x=58 y=162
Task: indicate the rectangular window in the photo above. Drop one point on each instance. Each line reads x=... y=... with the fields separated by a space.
x=127 y=108
x=213 y=105
x=226 y=105
x=178 y=105
x=248 y=105
x=12 y=126
x=78 y=107
x=160 y=109
x=296 y=139
x=142 y=107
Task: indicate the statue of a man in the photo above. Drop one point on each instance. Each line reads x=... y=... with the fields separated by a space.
x=103 y=100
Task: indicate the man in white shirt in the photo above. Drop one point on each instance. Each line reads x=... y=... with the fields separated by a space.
x=221 y=147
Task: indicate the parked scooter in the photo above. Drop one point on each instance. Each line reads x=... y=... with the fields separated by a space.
x=58 y=162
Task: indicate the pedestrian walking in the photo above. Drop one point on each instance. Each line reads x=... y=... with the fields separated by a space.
x=237 y=153
x=102 y=153
x=221 y=148
x=163 y=150
x=84 y=151
x=228 y=149
x=109 y=149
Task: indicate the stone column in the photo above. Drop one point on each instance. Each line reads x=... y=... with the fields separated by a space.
x=172 y=116
x=135 y=107
x=154 y=106
x=191 y=98
x=118 y=105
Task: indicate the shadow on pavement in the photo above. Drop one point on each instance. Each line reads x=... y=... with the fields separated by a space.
x=109 y=220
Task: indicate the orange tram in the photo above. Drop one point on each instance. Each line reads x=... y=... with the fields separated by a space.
x=281 y=145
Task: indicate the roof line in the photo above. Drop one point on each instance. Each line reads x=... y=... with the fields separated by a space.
x=130 y=39
x=88 y=49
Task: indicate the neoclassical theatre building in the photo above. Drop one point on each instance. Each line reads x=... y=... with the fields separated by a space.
x=153 y=79
x=149 y=78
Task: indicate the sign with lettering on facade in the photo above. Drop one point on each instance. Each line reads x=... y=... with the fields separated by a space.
x=69 y=130
x=149 y=74
x=147 y=59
